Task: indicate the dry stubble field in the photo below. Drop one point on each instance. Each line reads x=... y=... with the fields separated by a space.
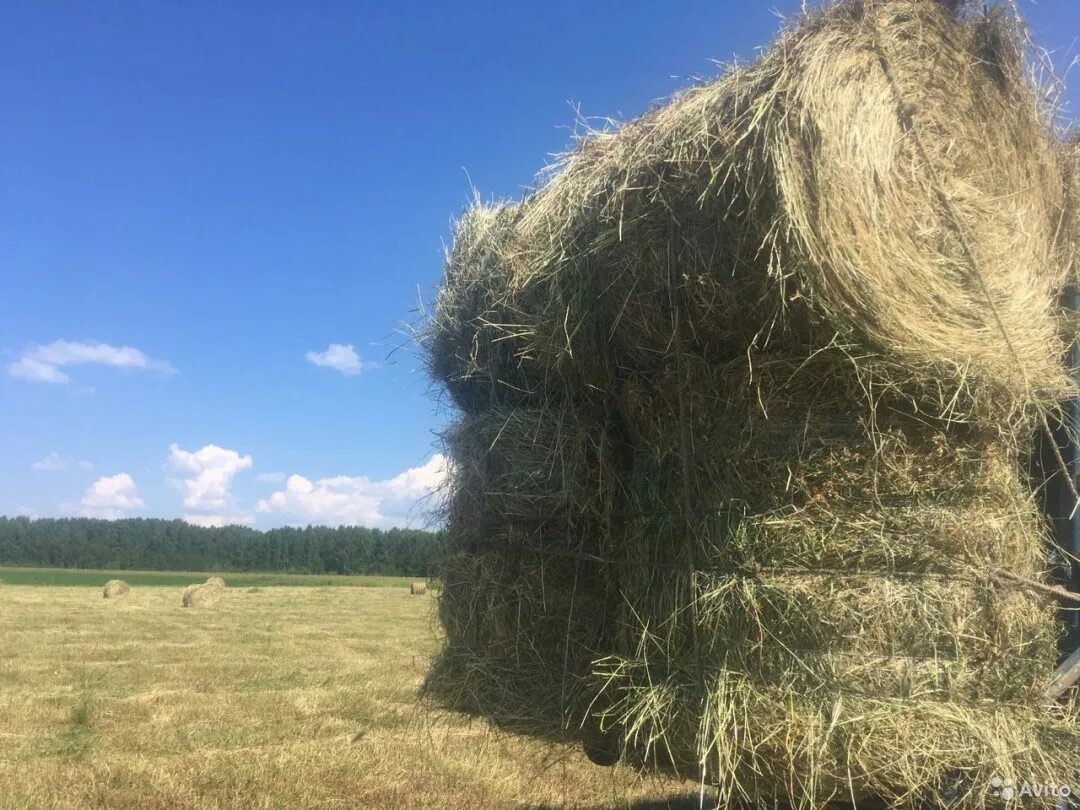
x=289 y=697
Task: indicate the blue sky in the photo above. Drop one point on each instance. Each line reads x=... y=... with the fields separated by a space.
x=203 y=205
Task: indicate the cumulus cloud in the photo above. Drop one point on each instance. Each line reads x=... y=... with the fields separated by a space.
x=54 y=462
x=217 y=521
x=45 y=363
x=346 y=500
x=111 y=497
x=340 y=357
x=206 y=476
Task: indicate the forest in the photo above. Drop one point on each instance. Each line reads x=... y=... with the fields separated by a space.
x=173 y=545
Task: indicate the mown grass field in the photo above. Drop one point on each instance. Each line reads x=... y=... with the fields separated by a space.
x=97 y=578
x=289 y=697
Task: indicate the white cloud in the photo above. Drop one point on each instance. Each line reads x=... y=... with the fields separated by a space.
x=271 y=478
x=207 y=476
x=110 y=497
x=44 y=363
x=217 y=521
x=36 y=371
x=54 y=462
x=346 y=500
x=340 y=357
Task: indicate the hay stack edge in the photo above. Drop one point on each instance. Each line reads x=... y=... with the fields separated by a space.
x=747 y=390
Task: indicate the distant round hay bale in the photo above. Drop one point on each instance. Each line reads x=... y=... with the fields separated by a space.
x=418 y=588
x=215 y=582
x=254 y=589
x=114 y=589
x=204 y=595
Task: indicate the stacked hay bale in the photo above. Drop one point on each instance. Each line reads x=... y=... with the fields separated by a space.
x=747 y=388
x=115 y=589
x=207 y=594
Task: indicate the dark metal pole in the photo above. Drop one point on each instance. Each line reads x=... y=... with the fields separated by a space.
x=1059 y=501
x=1070 y=511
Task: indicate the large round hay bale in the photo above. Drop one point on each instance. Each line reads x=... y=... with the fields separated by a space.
x=115 y=589
x=204 y=595
x=418 y=588
x=215 y=582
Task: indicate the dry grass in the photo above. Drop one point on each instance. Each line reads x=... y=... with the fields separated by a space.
x=264 y=702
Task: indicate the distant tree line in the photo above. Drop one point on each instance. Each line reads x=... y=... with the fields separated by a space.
x=173 y=545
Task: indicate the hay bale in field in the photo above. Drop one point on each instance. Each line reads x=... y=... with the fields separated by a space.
x=200 y=596
x=748 y=387
x=418 y=589
x=115 y=589
x=206 y=595
x=254 y=589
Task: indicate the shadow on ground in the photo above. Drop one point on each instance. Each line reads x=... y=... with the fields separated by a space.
x=674 y=803
x=689 y=802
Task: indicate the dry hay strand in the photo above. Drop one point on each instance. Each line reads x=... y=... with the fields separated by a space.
x=417 y=588
x=748 y=391
x=115 y=589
